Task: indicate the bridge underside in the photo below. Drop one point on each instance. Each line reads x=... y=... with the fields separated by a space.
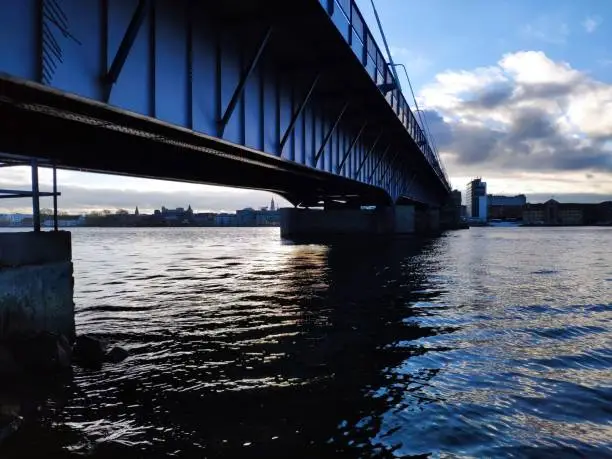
x=79 y=134
x=264 y=94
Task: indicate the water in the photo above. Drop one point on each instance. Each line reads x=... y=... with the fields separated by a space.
x=489 y=342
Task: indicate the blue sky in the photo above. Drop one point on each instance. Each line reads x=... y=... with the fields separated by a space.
x=436 y=35
x=518 y=92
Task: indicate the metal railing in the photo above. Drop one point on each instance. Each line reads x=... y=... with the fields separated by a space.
x=349 y=21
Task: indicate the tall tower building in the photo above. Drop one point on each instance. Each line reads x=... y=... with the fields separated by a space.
x=476 y=199
x=272 y=206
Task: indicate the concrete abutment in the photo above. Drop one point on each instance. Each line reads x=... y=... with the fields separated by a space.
x=36 y=284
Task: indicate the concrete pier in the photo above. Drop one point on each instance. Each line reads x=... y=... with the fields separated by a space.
x=298 y=223
x=36 y=284
x=312 y=222
x=427 y=221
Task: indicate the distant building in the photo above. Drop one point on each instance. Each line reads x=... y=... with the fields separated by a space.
x=261 y=217
x=174 y=216
x=553 y=212
x=505 y=207
x=226 y=219
x=204 y=219
x=476 y=200
x=267 y=218
x=15 y=219
x=65 y=221
x=246 y=217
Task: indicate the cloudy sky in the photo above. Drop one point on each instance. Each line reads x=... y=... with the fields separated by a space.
x=518 y=92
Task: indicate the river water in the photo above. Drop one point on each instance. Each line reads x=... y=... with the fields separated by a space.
x=488 y=342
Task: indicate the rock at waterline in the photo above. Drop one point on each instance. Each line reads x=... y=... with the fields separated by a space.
x=10 y=416
x=8 y=426
x=89 y=352
x=116 y=355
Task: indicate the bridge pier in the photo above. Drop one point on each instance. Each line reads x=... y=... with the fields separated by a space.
x=406 y=219
x=427 y=221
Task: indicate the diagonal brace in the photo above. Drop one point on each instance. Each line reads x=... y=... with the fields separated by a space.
x=378 y=163
x=389 y=167
x=399 y=178
x=242 y=83
x=126 y=45
x=368 y=154
x=408 y=186
x=297 y=114
x=329 y=134
x=351 y=146
x=393 y=178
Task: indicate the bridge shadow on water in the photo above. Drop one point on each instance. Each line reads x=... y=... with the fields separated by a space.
x=311 y=377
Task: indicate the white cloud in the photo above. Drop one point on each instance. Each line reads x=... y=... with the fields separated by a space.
x=534 y=67
x=83 y=192
x=527 y=79
x=591 y=23
x=527 y=114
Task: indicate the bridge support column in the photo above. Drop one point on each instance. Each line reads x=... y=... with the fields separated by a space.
x=404 y=219
x=427 y=221
x=299 y=223
x=304 y=223
x=36 y=284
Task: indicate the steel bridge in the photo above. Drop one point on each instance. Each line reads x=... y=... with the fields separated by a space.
x=294 y=97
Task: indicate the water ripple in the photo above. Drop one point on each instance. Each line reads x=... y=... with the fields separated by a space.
x=482 y=343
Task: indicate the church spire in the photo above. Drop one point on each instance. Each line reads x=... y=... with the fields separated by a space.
x=136 y=212
x=272 y=207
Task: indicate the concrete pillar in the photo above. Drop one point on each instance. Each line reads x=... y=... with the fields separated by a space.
x=36 y=284
x=334 y=222
x=404 y=219
x=427 y=221
x=297 y=223
x=433 y=217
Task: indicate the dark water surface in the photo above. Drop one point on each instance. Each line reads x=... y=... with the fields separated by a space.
x=491 y=342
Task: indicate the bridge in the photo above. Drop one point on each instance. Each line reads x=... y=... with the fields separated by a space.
x=291 y=97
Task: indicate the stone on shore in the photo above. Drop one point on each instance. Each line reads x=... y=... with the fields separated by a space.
x=89 y=352
x=116 y=355
x=9 y=425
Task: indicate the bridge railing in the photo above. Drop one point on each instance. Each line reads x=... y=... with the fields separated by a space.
x=349 y=21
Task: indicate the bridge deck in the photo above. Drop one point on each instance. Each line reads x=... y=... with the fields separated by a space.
x=258 y=94
x=81 y=134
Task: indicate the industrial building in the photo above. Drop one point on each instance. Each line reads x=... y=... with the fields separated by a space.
x=476 y=200
x=505 y=207
x=553 y=212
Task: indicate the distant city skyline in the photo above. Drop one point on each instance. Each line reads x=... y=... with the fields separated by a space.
x=119 y=192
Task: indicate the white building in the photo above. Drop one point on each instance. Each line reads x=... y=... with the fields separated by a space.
x=483 y=206
x=14 y=219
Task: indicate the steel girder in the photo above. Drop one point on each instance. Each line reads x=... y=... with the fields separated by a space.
x=265 y=75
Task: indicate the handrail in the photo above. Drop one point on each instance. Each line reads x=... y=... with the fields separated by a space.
x=349 y=21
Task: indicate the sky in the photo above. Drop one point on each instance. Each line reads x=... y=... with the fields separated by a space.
x=518 y=92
